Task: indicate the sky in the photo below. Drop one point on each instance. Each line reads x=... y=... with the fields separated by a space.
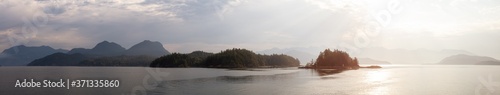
x=214 y=25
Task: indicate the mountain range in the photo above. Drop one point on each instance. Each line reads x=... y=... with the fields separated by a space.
x=105 y=48
x=462 y=59
x=147 y=47
x=105 y=51
x=406 y=56
x=369 y=61
x=394 y=56
x=22 y=55
x=45 y=55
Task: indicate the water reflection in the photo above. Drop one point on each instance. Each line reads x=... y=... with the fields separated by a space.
x=377 y=76
x=325 y=72
x=251 y=78
x=227 y=85
x=236 y=79
x=379 y=91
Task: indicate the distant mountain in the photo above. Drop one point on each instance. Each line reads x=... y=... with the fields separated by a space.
x=369 y=61
x=302 y=56
x=22 y=55
x=79 y=50
x=106 y=54
x=104 y=48
x=62 y=50
x=147 y=48
x=122 y=60
x=463 y=59
x=59 y=59
x=405 y=56
x=77 y=59
x=488 y=63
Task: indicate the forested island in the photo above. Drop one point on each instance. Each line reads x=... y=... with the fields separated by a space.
x=231 y=58
x=335 y=59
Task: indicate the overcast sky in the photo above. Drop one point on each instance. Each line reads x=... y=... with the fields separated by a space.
x=214 y=25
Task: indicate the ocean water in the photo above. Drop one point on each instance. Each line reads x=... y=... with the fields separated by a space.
x=389 y=80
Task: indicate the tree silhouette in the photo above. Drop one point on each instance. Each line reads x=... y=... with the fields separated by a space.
x=174 y=60
x=230 y=58
x=334 y=59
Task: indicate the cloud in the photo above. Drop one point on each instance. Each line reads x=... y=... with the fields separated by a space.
x=213 y=25
x=112 y=20
x=186 y=23
x=12 y=13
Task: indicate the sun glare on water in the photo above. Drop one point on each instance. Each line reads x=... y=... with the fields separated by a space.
x=377 y=78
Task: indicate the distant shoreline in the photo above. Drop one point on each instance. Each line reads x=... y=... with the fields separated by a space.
x=339 y=67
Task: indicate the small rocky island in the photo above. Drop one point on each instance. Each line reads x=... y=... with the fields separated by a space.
x=230 y=58
x=335 y=59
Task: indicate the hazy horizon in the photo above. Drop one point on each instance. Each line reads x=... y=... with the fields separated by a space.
x=189 y=25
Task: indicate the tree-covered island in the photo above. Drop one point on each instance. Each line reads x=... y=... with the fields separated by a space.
x=231 y=58
x=335 y=59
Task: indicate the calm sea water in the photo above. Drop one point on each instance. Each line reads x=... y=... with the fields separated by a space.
x=390 y=80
